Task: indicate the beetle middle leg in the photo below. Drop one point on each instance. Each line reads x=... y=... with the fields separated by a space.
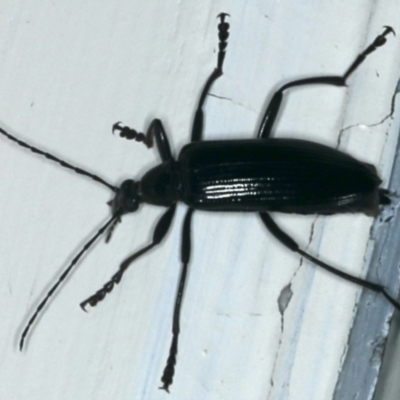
x=223 y=34
x=274 y=105
x=287 y=241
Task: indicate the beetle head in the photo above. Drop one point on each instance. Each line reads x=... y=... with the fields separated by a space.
x=127 y=198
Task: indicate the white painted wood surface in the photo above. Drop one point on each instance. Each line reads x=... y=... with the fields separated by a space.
x=68 y=71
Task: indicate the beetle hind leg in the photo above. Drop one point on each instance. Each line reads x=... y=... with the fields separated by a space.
x=287 y=241
x=273 y=108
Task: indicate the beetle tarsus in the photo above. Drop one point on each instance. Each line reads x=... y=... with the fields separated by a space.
x=169 y=370
x=100 y=295
x=198 y=122
x=379 y=41
x=223 y=35
x=130 y=133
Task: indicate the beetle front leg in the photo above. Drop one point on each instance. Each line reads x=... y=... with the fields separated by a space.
x=271 y=113
x=169 y=369
x=223 y=34
x=160 y=231
x=287 y=241
x=155 y=130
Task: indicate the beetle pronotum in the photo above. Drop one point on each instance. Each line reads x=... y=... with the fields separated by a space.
x=252 y=175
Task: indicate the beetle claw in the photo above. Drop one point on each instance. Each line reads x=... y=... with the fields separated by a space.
x=389 y=29
x=116 y=127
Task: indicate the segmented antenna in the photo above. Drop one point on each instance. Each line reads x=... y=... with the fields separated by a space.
x=62 y=277
x=58 y=160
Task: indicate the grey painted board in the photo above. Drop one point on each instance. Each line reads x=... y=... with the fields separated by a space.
x=68 y=71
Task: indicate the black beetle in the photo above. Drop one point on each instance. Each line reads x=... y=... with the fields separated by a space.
x=254 y=175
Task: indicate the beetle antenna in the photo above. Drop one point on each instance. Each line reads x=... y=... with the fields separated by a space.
x=58 y=160
x=62 y=278
x=111 y=228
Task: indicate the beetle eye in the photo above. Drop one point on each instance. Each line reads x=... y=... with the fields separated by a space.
x=131 y=205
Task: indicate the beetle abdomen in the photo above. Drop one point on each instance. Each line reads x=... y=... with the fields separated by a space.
x=286 y=175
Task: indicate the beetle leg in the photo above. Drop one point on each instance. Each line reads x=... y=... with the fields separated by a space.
x=271 y=113
x=155 y=130
x=379 y=41
x=274 y=105
x=159 y=232
x=169 y=369
x=287 y=241
x=223 y=34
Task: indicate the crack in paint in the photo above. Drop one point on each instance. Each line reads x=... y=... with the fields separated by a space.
x=390 y=115
x=233 y=102
x=283 y=302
